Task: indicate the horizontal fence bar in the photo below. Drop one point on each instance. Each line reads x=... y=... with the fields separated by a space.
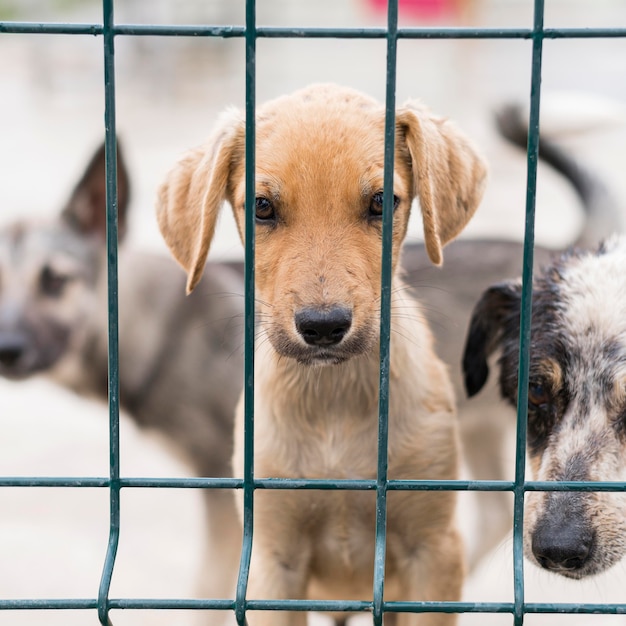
x=348 y=606
x=52 y=481
x=312 y=484
x=50 y=28
x=270 y=32
x=42 y=604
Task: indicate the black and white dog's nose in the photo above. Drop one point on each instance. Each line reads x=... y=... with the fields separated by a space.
x=323 y=327
x=562 y=547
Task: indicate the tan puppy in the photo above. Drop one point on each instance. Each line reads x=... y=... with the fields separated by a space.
x=319 y=183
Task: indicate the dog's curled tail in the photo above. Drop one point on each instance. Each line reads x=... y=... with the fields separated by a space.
x=603 y=214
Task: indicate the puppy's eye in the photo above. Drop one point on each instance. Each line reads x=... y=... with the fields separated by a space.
x=264 y=210
x=376 y=204
x=51 y=283
x=538 y=395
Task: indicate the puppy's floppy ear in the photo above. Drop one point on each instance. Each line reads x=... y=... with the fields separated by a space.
x=497 y=311
x=189 y=200
x=449 y=175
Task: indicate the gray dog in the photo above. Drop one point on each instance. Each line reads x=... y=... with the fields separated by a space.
x=180 y=358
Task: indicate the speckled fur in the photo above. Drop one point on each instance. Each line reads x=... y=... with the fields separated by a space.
x=578 y=372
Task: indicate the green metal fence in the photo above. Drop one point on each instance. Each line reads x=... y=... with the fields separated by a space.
x=108 y=30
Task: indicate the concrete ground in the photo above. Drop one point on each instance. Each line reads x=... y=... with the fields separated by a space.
x=169 y=91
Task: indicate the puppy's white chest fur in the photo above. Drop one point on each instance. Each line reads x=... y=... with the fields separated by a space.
x=329 y=430
x=331 y=437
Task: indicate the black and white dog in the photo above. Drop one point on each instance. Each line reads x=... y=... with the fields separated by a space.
x=576 y=398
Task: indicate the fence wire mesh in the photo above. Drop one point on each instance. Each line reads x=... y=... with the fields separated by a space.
x=109 y=31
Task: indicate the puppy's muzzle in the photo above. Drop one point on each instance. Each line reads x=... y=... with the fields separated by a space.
x=323 y=327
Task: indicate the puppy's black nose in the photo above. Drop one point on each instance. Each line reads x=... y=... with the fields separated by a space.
x=559 y=547
x=12 y=346
x=323 y=327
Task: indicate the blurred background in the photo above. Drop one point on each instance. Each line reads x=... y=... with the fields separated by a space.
x=169 y=92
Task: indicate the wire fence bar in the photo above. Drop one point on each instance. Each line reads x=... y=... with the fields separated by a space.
x=525 y=316
x=250 y=199
x=352 y=606
x=347 y=606
x=301 y=484
x=45 y=604
x=251 y=32
x=113 y=322
x=272 y=32
x=130 y=482
x=385 y=317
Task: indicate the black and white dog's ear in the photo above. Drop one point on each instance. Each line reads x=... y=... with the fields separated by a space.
x=497 y=310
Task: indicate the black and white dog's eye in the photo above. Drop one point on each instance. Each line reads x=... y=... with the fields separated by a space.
x=376 y=204
x=538 y=395
x=264 y=210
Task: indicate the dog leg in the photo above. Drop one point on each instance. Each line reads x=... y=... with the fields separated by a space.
x=274 y=577
x=221 y=563
x=437 y=575
x=485 y=429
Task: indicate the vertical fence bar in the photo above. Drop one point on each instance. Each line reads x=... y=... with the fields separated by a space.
x=385 y=315
x=248 y=487
x=113 y=365
x=526 y=315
